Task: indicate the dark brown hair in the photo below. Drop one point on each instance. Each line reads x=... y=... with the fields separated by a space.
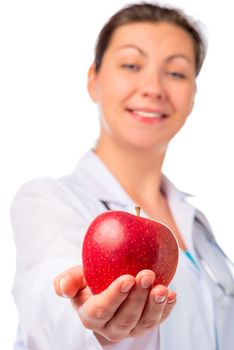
x=149 y=12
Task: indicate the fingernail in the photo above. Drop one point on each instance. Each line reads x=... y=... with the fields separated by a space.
x=126 y=286
x=171 y=301
x=146 y=282
x=61 y=285
x=159 y=298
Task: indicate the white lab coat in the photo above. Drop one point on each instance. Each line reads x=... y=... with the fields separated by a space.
x=50 y=218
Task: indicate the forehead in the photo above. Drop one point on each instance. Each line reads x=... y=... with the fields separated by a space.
x=160 y=35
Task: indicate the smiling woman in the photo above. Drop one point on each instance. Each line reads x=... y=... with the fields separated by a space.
x=154 y=86
x=143 y=80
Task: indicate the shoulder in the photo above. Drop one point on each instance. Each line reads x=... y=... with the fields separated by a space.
x=46 y=196
x=47 y=215
x=38 y=190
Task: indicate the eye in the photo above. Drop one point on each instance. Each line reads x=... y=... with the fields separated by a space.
x=131 y=66
x=177 y=75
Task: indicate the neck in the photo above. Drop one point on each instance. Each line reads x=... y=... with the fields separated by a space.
x=138 y=171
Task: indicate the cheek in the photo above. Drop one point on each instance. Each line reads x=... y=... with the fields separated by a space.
x=185 y=101
x=113 y=85
x=112 y=94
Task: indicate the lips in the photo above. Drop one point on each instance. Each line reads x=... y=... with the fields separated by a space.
x=145 y=114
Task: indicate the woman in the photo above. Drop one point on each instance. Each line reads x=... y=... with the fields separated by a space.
x=143 y=80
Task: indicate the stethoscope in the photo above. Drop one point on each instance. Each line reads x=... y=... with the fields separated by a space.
x=214 y=262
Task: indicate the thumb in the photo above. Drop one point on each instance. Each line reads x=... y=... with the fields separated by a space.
x=70 y=282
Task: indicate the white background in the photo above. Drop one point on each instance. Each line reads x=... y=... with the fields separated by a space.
x=47 y=120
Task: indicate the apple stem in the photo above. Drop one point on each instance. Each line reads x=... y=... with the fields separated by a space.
x=138 y=210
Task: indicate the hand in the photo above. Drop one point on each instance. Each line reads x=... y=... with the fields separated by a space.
x=127 y=308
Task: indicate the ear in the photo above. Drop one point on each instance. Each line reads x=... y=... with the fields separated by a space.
x=91 y=84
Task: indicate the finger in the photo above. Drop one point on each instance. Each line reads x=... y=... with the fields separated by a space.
x=153 y=311
x=171 y=296
x=100 y=308
x=130 y=311
x=171 y=301
x=69 y=282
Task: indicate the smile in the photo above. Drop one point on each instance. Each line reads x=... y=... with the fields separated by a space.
x=147 y=116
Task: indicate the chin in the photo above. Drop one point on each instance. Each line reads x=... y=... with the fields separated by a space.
x=148 y=147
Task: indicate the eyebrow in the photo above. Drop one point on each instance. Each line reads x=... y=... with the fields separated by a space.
x=179 y=55
x=130 y=46
x=169 y=59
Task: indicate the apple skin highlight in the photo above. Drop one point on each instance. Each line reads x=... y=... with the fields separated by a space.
x=118 y=243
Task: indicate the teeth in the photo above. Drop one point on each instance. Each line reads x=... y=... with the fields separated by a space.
x=149 y=114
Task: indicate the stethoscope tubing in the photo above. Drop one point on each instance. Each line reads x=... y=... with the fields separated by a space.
x=211 y=274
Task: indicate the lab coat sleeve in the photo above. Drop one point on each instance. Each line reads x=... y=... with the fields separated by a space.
x=48 y=225
x=49 y=221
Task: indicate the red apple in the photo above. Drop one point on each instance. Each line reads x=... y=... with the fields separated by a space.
x=118 y=243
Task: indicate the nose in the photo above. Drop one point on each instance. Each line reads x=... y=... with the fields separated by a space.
x=152 y=86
